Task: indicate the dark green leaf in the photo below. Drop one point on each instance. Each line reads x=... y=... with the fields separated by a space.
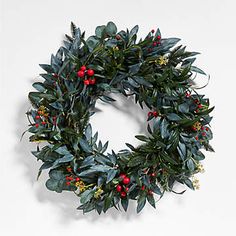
x=125 y=203
x=111 y=28
x=85 y=146
x=151 y=200
x=111 y=174
x=173 y=117
x=86 y=196
x=141 y=202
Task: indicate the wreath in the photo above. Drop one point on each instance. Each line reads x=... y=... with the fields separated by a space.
x=160 y=76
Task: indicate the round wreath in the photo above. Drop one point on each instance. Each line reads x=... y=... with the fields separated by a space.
x=157 y=76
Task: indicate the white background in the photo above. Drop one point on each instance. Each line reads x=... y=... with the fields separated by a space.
x=30 y=31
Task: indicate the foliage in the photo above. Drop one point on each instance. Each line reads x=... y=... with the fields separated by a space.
x=159 y=75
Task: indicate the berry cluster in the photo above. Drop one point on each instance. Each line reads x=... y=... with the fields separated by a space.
x=122 y=186
x=87 y=75
x=41 y=117
x=152 y=114
x=156 y=41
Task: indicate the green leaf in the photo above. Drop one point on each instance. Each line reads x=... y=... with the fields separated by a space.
x=189 y=183
x=151 y=200
x=53 y=185
x=92 y=42
x=169 y=43
x=168 y=158
x=206 y=112
x=39 y=86
x=133 y=31
x=134 y=69
x=85 y=146
x=196 y=69
x=47 y=68
x=88 y=132
x=86 y=196
x=184 y=108
x=182 y=150
x=99 y=31
x=108 y=201
x=66 y=158
x=142 y=81
x=111 y=28
x=163 y=128
x=173 y=117
x=62 y=150
x=125 y=203
x=135 y=161
x=155 y=189
x=142 y=138
x=111 y=174
x=56 y=181
x=57 y=106
x=190 y=165
x=141 y=202
x=101 y=168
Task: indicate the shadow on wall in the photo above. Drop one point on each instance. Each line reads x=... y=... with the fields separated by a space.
x=67 y=202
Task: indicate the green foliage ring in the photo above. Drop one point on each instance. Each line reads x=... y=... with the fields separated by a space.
x=160 y=76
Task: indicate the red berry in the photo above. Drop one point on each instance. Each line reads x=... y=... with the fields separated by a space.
x=37 y=117
x=154 y=44
x=44 y=122
x=158 y=37
x=150 y=113
x=92 y=81
x=123 y=194
x=122 y=175
x=207 y=129
x=90 y=72
x=152 y=31
x=143 y=187
x=199 y=106
x=153 y=174
x=197 y=111
x=196 y=137
x=80 y=73
x=69 y=169
x=155 y=114
x=68 y=183
x=86 y=82
x=126 y=189
x=203 y=134
x=77 y=179
x=126 y=180
x=83 y=68
x=118 y=37
x=202 y=128
x=118 y=188
x=194 y=129
x=196 y=101
x=188 y=95
x=36 y=125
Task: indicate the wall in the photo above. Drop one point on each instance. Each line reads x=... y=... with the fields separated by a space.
x=30 y=31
